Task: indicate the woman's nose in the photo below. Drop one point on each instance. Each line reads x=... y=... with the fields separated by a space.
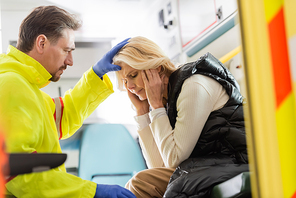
x=130 y=85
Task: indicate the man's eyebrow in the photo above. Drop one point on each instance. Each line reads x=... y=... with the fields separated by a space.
x=70 y=48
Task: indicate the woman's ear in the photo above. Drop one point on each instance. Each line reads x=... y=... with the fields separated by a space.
x=159 y=68
x=41 y=42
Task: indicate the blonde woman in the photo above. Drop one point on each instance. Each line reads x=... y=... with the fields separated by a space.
x=188 y=117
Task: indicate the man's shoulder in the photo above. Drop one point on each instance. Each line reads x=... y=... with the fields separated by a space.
x=13 y=80
x=11 y=76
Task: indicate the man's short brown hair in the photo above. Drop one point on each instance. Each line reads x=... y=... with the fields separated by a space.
x=47 y=20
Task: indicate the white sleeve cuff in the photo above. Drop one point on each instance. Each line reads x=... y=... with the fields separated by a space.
x=156 y=113
x=143 y=121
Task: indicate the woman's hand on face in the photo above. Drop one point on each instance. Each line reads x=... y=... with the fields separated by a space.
x=153 y=87
x=142 y=107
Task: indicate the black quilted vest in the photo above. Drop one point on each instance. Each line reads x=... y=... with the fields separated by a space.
x=224 y=131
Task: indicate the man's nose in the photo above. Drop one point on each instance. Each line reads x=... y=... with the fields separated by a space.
x=69 y=59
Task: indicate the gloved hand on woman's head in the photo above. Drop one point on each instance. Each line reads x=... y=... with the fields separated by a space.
x=112 y=191
x=105 y=65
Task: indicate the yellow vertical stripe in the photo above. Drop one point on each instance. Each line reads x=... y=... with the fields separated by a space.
x=286 y=136
x=290 y=16
x=285 y=114
x=271 y=8
x=260 y=111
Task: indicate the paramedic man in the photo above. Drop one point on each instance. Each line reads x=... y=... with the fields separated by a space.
x=43 y=52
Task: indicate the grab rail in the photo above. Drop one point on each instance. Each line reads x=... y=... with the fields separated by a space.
x=231 y=54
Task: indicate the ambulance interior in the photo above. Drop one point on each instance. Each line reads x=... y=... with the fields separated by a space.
x=184 y=29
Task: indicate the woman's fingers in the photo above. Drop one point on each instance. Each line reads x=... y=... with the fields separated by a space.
x=144 y=78
x=134 y=99
x=141 y=107
x=153 y=87
x=150 y=75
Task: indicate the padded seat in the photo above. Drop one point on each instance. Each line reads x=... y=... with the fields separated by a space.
x=236 y=187
x=109 y=154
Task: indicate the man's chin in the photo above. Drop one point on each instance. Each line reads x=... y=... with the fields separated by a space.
x=55 y=78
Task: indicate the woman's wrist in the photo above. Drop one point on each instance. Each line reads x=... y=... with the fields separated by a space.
x=142 y=111
x=157 y=106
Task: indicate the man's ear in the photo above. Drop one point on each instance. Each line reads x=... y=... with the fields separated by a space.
x=41 y=42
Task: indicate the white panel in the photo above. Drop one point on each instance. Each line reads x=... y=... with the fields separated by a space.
x=168 y=39
x=108 y=18
x=222 y=8
x=11 y=21
x=221 y=46
x=227 y=6
x=195 y=17
x=292 y=54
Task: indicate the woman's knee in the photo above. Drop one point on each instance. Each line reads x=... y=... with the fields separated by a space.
x=138 y=177
x=135 y=179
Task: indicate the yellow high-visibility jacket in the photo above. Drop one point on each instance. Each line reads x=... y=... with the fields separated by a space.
x=30 y=119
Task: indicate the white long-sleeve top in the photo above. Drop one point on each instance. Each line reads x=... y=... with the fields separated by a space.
x=164 y=147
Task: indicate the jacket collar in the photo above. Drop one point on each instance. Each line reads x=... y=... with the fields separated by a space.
x=34 y=70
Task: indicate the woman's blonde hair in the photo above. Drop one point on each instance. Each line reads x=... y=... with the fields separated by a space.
x=141 y=53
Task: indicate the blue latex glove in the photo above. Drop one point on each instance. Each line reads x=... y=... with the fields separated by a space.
x=113 y=191
x=105 y=64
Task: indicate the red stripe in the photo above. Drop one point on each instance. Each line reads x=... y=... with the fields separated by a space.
x=200 y=33
x=12 y=177
x=294 y=196
x=62 y=110
x=4 y=169
x=280 y=57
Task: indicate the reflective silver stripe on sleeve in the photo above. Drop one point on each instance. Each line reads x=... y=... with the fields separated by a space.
x=58 y=115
